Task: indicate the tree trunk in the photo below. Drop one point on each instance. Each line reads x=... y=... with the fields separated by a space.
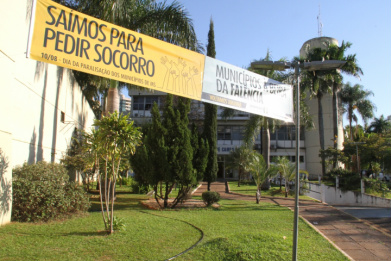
x=240 y=175
x=280 y=182
x=321 y=132
x=350 y=122
x=286 y=187
x=165 y=205
x=335 y=120
x=112 y=98
x=258 y=195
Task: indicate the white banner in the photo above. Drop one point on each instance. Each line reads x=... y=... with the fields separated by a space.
x=233 y=87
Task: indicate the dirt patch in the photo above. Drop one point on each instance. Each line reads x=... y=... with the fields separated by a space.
x=188 y=204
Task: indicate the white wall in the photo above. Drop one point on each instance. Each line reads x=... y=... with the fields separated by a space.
x=32 y=97
x=337 y=197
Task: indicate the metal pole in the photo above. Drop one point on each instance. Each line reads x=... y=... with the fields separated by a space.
x=297 y=185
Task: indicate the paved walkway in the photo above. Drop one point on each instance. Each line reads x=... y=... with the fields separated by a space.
x=359 y=239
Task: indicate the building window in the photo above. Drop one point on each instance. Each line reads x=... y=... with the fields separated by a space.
x=138 y=103
x=286 y=133
x=238 y=132
x=230 y=132
x=63 y=117
x=143 y=104
x=149 y=101
x=291 y=158
x=224 y=132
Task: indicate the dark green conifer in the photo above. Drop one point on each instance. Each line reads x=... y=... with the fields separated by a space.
x=210 y=121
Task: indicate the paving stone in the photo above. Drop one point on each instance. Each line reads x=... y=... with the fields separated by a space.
x=359 y=254
x=382 y=254
x=349 y=245
x=337 y=239
x=375 y=246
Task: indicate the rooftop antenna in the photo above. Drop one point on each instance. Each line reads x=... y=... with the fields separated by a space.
x=320 y=25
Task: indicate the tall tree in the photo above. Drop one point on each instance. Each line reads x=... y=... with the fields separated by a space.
x=329 y=81
x=210 y=120
x=114 y=140
x=167 y=22
x=355 y=98
x=168 y=152
x=200 y=152
x=183 y=165
x=318 y=83
x=380 y=126
x=351 y=67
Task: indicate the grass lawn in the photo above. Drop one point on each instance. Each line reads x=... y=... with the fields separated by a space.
x=239 y=230
x=251 y=189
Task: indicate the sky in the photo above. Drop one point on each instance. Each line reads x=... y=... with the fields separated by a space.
x=246 y=29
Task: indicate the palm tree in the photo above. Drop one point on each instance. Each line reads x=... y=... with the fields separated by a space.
x=287 y=170
x=379 y=125
x=260 y=171
x=351 y=67
x=330 y=81
x=356 y=98
x=318 y=83
x=239 y=159
x=167 y=22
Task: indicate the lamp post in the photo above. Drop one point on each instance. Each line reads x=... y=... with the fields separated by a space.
x=308 y=66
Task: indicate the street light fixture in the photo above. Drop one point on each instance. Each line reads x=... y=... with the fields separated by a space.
x=308 y=66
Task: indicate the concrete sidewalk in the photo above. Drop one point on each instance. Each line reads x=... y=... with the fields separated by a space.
x=359 y=239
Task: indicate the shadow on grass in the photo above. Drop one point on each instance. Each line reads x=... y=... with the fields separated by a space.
x=250 y=206
x=87 y=234
x=124 y=201
x=67 y=234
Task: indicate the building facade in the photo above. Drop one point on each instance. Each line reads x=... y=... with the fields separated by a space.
x=125 y=104
x=41 y=105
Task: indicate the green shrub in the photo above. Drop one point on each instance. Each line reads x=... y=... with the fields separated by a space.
x=119 y=224
x=210 y=197
x=125 y=181
x=138 y=188
x=348 y=180
x=42 y=192
x=375 y=186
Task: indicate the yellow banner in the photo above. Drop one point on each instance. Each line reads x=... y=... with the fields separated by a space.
x=80 y=42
